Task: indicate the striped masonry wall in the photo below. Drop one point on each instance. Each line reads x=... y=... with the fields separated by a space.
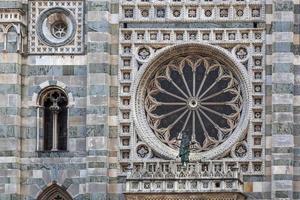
x=90 y=167
x=101 y=123
x=283 y=142
x=296 y=100
x=10 y=109
x=10 y=125
x=39 y=169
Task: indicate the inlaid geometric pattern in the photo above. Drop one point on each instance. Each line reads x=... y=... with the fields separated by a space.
x=74 y=9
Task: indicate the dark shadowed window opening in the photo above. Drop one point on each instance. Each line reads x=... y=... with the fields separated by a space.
x=199 y=96
x=55 y=120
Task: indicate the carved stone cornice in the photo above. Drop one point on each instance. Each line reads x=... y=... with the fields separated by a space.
x=186 y=196
x=12 y=16
x=190 y=179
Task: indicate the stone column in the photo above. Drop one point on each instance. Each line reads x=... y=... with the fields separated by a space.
x=38 y=128
x=55 y=110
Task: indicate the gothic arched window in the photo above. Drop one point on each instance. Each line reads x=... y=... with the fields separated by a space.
x=53 y=120
x=54 y=192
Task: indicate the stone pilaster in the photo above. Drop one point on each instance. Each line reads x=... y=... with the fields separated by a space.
x=10 y=104
x=101 y=95
x=296 y=103
x=282 y=99
x=10 y=94
x=266 y=187
x=10 y=124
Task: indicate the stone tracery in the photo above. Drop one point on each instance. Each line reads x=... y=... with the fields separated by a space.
x=59 y=30
x=198 y=88
x=197 y=94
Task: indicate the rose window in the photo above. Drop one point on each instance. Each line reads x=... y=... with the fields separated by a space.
x=197 y=96
x=198 y=90
x=59 y=30
x=56 y=26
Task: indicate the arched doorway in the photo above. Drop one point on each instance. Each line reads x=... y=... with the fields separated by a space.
x=54 y=192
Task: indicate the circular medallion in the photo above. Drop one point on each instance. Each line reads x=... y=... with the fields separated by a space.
x=145 y=13
x=239 y=12
x=56 y=27
x=193 y=89
x=176 y=13
x=240 y=150
x=208 y=13
x=144 y=53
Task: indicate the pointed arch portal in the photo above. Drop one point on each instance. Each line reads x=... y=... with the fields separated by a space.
x=54 y=192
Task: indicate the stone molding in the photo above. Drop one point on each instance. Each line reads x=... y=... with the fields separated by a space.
x=186 y=196
x=54 y=191
x=192 y=11
x=12 y=16
x=48 y=84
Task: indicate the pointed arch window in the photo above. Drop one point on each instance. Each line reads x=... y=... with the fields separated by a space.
x=54 y=192
x=12 y=40
x=12 y=37
x=52 y=115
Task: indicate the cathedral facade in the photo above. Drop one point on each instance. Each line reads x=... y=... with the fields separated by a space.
x=149 y=99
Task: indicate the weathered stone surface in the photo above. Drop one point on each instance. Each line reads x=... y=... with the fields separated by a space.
x=93 y=77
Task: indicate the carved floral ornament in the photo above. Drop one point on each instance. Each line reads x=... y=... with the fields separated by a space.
x=241 y=52
x=198 y=88
x=143 y=53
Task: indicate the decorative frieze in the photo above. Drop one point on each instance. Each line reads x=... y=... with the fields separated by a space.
x=12 y=16
x=172 y=36
x=191 y=10
x=165 y=177
x=186 y=196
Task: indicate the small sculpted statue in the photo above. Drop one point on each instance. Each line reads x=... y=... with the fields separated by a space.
x=184 y=150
